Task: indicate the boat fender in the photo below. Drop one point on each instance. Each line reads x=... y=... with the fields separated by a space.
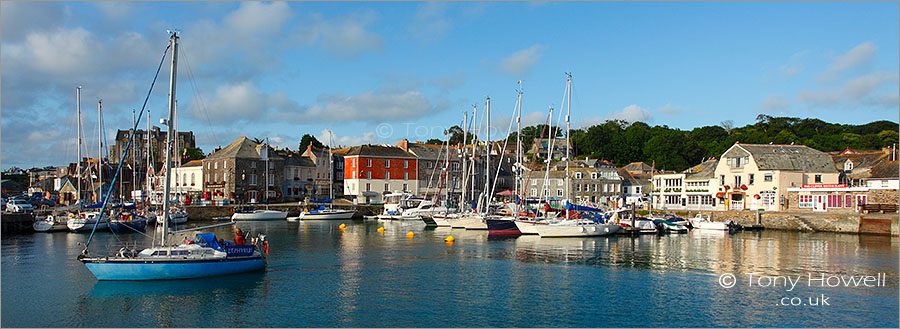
x=266 y=243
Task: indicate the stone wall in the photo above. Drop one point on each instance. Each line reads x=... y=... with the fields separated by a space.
x=797 y=221
x=209 y=212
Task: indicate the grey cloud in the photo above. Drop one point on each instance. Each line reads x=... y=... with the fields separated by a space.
x=853 y=92
x=858 y=57
x=345 y=38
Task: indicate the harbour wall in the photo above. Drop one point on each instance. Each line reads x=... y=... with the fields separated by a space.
x=207 y=212
x=883 y=224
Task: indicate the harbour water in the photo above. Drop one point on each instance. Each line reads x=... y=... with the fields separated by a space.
x=322 y=276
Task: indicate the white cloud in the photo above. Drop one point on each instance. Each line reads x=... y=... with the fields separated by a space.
x=521 y=61
x=371 y=107
x=857 y=57
x=669 y=109
x=449 y=82
x=255 y=18
x=853 y=92
x=116 y=10
x=345 y=38
x=775 y=102
x=631 y=113
x=344 y=141
x=430 y=21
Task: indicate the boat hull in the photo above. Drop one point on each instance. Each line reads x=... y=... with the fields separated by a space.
x=129 y=226
x=502 y=227
x=261 y=215
x=105 y=269
x=429 y=221
x=81 y=225
x=49 y=226
x=329 y=215
x=527 y=227
x=565 y=231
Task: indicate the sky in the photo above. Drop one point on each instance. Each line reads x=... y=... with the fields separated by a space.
x=378 y=72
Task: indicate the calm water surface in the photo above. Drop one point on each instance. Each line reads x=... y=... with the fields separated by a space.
x=320 y=276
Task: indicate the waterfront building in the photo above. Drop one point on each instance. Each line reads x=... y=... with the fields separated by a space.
x=324 y=171
x=540 y=147
x=431 y=159
x=757 y=176
x=854 y=166
x=370 y=171
x=153 y=142
x=691 y=189
x=187 y=181
x=593 y=182
x=237 y=173
x=299 y=173
x=632 y=189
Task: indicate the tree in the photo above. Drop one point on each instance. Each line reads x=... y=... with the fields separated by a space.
x=308 y=139
x=728 y=125
x=434 y=141
x=192 y=153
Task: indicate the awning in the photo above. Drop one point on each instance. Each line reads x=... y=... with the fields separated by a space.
x=507 y=192
x=720 y=195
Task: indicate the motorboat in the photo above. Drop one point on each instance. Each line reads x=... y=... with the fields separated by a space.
x=258 y=214
x=701 y=222
x=575 y=228
x=51 y=223
x=324 y=212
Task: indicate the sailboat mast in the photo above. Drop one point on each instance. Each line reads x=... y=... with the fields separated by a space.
x=267 y=173
x=99 y=148
x=462 y=153
x=149 y=163
x=133 y=156
x=568 y=132
x=487 y=157
x=475 y=131
x=78 y=162
x=169 y=126
x=519 y=183
x=330 y=169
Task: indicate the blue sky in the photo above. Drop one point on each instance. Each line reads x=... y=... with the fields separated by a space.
x=377 y=72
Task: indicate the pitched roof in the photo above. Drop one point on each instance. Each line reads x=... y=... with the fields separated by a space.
x=193 y=163
x=300 y=161
x=886 y=169
x=426 y=151
x=789 y=157
x=705 y=170
x=627 y=176
x=638 y=168
x=241 y=148
x=864 y=159
x=379 y=151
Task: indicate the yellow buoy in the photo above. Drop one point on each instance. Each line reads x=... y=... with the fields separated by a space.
x=449 y=239
x=343 y=226
x=410 y=234
x=381 y=230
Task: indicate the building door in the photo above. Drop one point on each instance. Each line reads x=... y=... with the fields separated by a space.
x=819 y=202
x=861 y=200
x=252 y=196
x=737 y=202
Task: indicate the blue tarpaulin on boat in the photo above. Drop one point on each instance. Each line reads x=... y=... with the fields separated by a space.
x=572 y=206
x=322 y=201
x=209 y=240
x=94 y=206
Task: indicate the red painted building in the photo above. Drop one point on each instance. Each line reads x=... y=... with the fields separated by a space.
x=372 y=170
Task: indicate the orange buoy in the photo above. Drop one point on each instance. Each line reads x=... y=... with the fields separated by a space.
x=410 y=234
x=381 y=230
x=450 y=239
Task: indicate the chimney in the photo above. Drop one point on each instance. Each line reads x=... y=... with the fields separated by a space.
x=309 y=148
x=404 y=144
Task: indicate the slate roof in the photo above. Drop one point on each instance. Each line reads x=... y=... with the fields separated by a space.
x=862 y=160
x=886 y=169
x=193 y=163
x=627 y=178
x=638 y=168
x=789 y=157
x=379 y=151
x=242 y=148
x=426 y=151
x=705 y=170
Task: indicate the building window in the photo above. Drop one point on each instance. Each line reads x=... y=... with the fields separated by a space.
x=405 y=177
x=369 y=163
x=768 y=198
x=577 y=187
x=368 y=175
x=428 y=164
x=559 y=192
x=354 y=163
x=737 y=181
x=405 y=187
x=848 y=165
x=253 y=164
x=577 y=175
x=595 y=187
x=805 y=201
x=533 y=192
x=405 y=164
x=368 y=187
x=252 y=179
x=767 y=177
x=387 y=175
x=559 y=182
x=818 y=178
x=387 y=187
x=216 y=165
x=354 y=174
x=750 y=179
x=215 y=177
x=456 y=166
x=387 y=163
x=593 y=175
x=722 y=180
x=192 y=178
x=225 y=164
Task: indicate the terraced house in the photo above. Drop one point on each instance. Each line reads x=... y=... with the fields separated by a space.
x=371 y=171
x=238 y=172
x=757 y=176
x=692 y=189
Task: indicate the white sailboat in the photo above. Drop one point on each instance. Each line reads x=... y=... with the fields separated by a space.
x=328 y=212
x=55 y=222
x=569 y=227
x=261 y=214
x=201 y=257
x=85 y=220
